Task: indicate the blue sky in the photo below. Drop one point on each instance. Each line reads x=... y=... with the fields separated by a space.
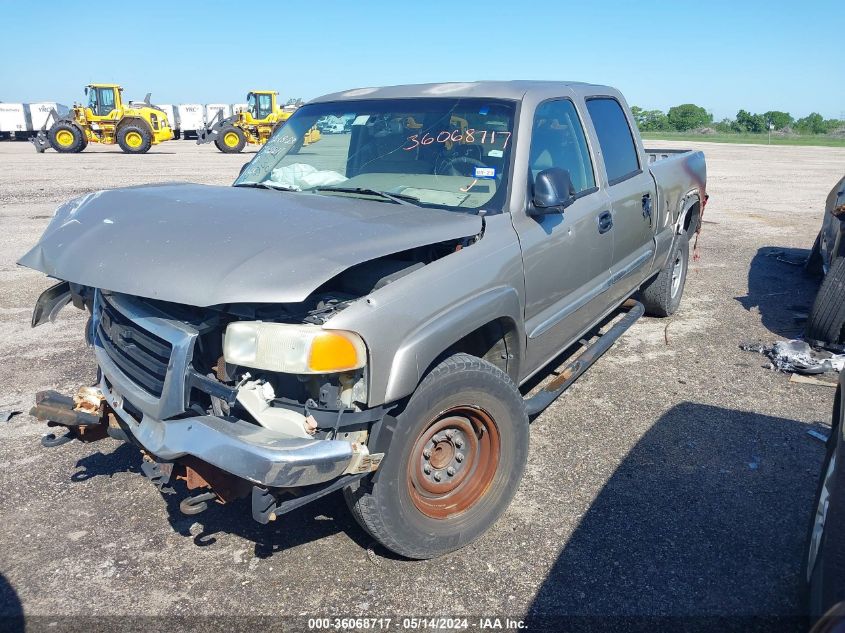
x=721 y=55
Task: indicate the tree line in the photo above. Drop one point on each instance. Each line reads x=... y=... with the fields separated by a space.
x=688 y=116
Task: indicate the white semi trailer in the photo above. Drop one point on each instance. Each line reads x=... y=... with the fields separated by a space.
x=38 y=114
x=172 y=117
x=191 y=118
x=12 y=120
x=213 y=109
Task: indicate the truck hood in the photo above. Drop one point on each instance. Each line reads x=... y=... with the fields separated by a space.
x=205 y=245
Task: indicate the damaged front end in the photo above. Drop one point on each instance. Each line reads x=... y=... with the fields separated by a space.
x=215 y=352
x=165 y=384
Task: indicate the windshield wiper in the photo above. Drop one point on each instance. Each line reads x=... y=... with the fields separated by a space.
x=264 y=185
x=398 y=198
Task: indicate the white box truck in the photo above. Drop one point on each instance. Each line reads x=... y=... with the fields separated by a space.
x=191 y=118
x=12 y=120
x=172 y=117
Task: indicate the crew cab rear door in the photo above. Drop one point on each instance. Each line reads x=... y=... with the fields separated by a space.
x=632 y=194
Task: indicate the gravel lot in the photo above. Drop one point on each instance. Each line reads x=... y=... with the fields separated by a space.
x=674 y=479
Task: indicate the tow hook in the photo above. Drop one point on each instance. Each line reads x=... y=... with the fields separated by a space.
x=196 y=504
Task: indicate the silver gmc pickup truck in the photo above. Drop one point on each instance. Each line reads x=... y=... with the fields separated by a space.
x=371 y=312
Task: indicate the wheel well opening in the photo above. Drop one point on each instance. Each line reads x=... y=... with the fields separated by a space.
x=692 y=220
x=495 y=342
x=132 y=121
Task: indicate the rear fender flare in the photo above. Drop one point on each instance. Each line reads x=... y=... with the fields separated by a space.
x=688 y=201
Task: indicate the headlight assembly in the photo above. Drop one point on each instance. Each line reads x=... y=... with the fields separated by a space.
x=292 y=349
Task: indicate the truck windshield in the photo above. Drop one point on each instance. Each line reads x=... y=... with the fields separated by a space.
x=439 y=152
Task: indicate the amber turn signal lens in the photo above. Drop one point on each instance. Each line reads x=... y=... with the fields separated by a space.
x=335 y=351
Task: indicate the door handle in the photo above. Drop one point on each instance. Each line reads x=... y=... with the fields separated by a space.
x=605 y=222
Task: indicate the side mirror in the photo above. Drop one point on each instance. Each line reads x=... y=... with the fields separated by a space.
x=553 y=192
x=86 y=90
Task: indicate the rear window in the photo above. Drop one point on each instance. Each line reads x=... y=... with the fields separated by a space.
x=615 y=139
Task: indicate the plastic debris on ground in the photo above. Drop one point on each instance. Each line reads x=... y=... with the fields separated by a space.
x=797 y=356
x=5 y=416
x=818 y=435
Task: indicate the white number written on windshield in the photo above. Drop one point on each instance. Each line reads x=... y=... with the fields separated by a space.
x=470 y=135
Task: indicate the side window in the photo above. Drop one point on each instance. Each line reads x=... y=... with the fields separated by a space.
x=617 y=143
x=557 y=140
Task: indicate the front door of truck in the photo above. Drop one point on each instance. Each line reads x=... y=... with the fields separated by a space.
x=566 y=255
x=632 y=195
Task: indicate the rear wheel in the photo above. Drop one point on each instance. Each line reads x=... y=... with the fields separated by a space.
x=230 y=140
x=66 y=138
x=454 y=462
x=134 y=138
x=661 y=295
x=827 y=318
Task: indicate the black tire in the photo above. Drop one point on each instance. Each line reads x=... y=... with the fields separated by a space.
x=127 y=134
x=59 y=131
x=661 y=295
x=463 y=392
x=825 y=576
x=827 y=318
x=230 y=132
x=815 y=262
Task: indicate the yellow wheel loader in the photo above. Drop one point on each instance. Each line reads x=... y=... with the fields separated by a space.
x=135 y=126
x=255 y=125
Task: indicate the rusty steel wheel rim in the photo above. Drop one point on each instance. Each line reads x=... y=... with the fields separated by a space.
x=453 y=462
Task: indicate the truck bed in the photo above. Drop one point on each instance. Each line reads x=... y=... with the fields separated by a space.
x=676 y=173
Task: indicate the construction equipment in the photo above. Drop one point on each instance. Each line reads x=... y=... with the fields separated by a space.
x=107 y=119
x=254 y=125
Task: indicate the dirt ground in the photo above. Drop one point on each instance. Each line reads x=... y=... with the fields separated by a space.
x=675 y=479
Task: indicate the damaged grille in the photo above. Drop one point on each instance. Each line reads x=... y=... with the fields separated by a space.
x=140 y=355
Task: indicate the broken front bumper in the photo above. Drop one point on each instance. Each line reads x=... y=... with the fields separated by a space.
x=239 y=448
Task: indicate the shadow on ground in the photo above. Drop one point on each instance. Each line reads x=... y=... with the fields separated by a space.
x=780 y=289
x=693 y=522
x=321 y=518
x=11 y=611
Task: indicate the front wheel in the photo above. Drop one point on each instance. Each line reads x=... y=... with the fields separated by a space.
x=455 y=460
x=134 y=139
x=661 y=295
x=66 y=138
x=230 y=140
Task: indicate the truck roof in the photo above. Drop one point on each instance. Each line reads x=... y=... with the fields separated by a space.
x=516 y=90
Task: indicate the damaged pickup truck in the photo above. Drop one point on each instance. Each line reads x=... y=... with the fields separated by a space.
x=361 y=313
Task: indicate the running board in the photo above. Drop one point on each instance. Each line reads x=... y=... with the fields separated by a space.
x=537 y=403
